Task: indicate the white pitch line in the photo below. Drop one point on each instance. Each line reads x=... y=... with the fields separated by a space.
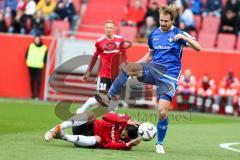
x=227 y=146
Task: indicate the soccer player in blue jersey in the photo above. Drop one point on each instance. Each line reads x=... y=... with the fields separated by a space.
x=165 y=52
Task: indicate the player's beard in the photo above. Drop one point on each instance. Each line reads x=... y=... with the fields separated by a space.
x=165 y=28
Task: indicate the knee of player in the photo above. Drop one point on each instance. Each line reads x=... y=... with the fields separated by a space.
x=91 y=117
x=98 y=139
x=163 y=113
x=128 y=68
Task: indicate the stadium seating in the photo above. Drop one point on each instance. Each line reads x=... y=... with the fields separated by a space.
x=77 y=5
x=238 y=43
x=226 y=41
x=210 y=24
x=60 y=26
x=8 y=21
x=144 y=3
x=47 y=27
x=128 y=33
x=97 y=13
x=207 y=39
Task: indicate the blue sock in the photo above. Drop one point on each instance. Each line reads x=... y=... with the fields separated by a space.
x=117 y=84
x=162 y=129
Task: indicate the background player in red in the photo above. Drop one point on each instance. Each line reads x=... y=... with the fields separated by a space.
x=228 y=89
x=112 y=52
x=114 y=131
x=186 y=89
x=205 y=92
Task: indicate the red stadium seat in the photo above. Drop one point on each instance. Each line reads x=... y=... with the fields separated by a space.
x=226 y=41
x=8 y=21
x=59 y=26
x=198 y=26
x=210 y=24
x=144 y=3
x=47 y=27
x=198 y=21
x=238 y=44
x=77 y=5
x=204 y=3
x=128 y=33
x=224 y=2
x=206 y=39
x=28 y=25
x=97 y=12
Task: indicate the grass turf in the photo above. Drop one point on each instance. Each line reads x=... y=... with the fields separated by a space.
x=190 y=135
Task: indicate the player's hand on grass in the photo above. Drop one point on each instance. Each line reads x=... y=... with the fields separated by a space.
x=135 y=142
x=179 y=36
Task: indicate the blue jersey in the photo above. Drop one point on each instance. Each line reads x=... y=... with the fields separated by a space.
x=167 y=52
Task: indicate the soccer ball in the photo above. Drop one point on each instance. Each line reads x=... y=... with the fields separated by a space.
x=147 y=131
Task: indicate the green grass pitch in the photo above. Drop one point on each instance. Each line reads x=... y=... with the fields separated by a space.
x=191 y=136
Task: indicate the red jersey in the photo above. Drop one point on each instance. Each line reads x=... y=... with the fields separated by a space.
x=230 y=83
x=205 y=85
x=109 y=51
x=110 y=128
x=187 y=82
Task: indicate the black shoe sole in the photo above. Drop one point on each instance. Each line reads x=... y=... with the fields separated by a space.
x=99 y=99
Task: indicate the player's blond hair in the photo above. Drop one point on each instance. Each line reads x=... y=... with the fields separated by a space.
x=169 y=10
x=109 y=21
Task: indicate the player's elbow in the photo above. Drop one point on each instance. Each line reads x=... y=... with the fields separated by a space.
x=198 y=47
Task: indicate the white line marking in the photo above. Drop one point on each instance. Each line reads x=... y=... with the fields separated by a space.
x=227 y=146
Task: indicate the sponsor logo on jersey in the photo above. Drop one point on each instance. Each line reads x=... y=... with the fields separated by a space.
x=111 y=51
x=170 y=39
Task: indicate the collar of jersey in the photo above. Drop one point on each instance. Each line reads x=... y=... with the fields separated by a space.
x=168 y=30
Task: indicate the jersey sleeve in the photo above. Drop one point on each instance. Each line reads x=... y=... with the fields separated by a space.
x=122 y=48
x=94 y=58
x=150 y=45
x=97 y=49
x=116 y=118
x=183 y=42
x=117 y=146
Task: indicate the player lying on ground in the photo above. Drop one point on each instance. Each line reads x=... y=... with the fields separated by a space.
x=114 y=131
x=165 y=52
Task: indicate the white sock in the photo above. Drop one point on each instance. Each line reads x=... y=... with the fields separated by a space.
x=77 y=120
x=82 y=141
x=113 y=105
x=91 y=101
x=123 y=103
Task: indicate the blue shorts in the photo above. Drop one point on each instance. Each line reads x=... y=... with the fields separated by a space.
x=155 y=74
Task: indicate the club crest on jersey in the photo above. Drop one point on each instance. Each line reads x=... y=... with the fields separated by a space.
x=170 y=39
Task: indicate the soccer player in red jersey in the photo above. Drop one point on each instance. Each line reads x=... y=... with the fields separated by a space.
x=205 y=92
x=186 y=89
x=228 y=88
x=114 y=131
x=112 y=52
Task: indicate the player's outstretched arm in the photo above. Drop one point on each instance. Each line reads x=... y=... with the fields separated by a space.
x=193 y=43
x=146 y=58
x=89 y=69
x=134 y=142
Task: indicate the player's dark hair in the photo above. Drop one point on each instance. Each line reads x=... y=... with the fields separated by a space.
x=132 y=131
x=169 y=9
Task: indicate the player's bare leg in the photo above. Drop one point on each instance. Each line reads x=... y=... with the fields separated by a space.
x=130 y=69
x=163 y=106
